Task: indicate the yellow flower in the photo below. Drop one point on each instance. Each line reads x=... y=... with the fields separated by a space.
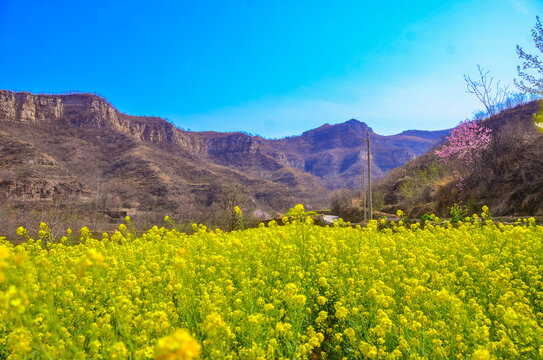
x=349 y=332
x=85 y=231
x=341 y=313
x=321 y=300
x=538 y=121
x=4 y=253
x=19 y=342
x=481 y=354
x=322 y=281
x=21 y=231
x=282 y=328
x=323 y=315
x=178 y=346
x=18 y=258
x=277 y=292
x=214 y=321
x=119 y=351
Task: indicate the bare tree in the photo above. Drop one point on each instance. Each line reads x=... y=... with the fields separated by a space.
x=493 y=101
x=531 y=62
x=229 y=197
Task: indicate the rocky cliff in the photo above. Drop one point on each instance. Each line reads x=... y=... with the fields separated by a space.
x=80 y=147
x=91 y=111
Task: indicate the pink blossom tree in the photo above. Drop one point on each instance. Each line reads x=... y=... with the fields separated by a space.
x=466 y=143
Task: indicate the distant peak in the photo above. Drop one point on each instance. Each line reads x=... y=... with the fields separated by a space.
x=356 y=124
x=353 y=121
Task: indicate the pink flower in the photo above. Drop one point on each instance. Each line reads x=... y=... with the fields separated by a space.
x=466 y=142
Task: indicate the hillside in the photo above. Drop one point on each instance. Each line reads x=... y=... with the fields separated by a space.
x=333 y=152
x=508 y=178
x=78 y=150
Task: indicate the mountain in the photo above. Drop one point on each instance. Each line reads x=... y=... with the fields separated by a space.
x=77 y=150
x=333 y=153
x=508 y=177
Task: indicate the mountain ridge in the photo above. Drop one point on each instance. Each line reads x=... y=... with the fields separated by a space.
x=147 y=162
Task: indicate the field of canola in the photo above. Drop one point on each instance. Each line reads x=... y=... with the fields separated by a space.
x=299 y=291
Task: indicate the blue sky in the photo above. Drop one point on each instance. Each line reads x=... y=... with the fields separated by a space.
x=275 y=68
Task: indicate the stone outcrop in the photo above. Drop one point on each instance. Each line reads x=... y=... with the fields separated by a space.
x=148 y=160
x=88 y=110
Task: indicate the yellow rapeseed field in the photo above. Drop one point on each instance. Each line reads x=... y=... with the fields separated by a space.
x=300 y=291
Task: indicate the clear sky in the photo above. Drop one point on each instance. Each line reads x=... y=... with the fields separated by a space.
x=275 y=68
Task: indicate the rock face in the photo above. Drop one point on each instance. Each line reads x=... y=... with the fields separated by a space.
x=91 y=111
x=27 y=174
x=80 y=147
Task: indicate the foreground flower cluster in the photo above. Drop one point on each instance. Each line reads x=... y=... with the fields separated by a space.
x=298 y=291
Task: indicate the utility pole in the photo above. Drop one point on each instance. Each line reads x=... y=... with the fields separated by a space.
x=369 y=176
x=363 y=188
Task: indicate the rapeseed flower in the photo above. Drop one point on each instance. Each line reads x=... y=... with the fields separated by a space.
x=472 y=290
x=178 y=346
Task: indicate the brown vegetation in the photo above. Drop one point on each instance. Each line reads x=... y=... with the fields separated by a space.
x=77 y=154
x=508 y=178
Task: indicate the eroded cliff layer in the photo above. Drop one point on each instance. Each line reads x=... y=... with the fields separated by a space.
x=97 y=152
